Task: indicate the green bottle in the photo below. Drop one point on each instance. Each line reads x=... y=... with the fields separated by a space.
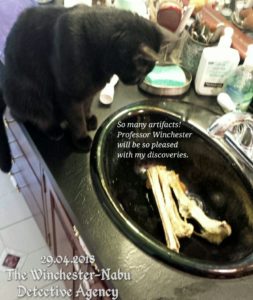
x=239 y=85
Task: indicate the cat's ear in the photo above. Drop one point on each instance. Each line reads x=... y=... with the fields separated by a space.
x=147 y=53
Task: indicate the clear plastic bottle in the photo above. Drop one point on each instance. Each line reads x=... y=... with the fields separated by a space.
x=239 y=85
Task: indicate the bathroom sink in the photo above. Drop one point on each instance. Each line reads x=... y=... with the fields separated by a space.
x=207 y=168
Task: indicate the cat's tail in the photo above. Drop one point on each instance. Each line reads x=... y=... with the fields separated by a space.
x=5 y=152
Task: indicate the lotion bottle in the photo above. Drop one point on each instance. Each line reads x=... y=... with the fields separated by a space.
x=216 y=64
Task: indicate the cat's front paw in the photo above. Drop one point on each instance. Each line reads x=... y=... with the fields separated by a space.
x=83 y=144
x=92 y=123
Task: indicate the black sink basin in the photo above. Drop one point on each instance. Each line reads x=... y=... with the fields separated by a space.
x=207 y=169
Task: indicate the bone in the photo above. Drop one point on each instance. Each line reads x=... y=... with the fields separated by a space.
x=170 y=236
x=214 y=231
x=181 y=228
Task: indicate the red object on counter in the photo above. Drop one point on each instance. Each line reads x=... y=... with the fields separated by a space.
x=169 y=15
x=212 y=18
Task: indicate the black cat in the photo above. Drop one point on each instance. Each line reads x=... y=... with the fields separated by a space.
x=57 y=59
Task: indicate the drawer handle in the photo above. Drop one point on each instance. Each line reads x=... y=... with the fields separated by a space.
x=76 y=232
x=14 y=173
x=19 y=188
x=7 y=122
x=84 y=247
x=14 y=182
x=12 y=141
x=16 y=157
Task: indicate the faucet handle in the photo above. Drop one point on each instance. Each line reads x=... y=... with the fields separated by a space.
x=228 y=121
x=237 y=130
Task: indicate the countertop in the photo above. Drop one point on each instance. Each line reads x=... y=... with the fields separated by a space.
x=151 y=279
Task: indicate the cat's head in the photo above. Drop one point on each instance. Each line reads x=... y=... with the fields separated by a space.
x=135 y=49
x=138 y=65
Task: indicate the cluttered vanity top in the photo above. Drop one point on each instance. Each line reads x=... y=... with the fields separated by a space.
x=150 y=277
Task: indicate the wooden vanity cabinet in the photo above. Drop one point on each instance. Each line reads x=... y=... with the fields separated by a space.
x=64 y=242
x=59 y=231
x=26 y=172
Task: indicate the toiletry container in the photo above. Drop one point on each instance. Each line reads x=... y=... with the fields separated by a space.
x=239 y=84
x=191 y=54
x=169 y=14
x=215 y=65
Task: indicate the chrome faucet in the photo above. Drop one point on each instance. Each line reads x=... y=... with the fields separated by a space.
x=237 y=130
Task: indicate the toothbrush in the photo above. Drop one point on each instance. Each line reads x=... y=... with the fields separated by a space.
x=186 y=16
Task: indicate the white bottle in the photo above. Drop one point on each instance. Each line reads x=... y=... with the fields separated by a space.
x=216 y=64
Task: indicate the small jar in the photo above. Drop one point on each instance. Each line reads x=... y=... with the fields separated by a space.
x=191 y=54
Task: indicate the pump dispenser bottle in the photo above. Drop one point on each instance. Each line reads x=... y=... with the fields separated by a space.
x=216 y=64
x=238 y=87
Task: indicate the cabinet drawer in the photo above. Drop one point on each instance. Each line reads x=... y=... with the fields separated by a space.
x=24 y=189
x=30 y=180
x=14 y=131
x=16 y=152
x=10 y=135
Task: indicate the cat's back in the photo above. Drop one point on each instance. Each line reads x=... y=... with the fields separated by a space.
x=32 y=34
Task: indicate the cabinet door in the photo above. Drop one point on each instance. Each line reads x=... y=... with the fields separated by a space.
x=95 y=283
x=61 y=243
x=65 y=242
